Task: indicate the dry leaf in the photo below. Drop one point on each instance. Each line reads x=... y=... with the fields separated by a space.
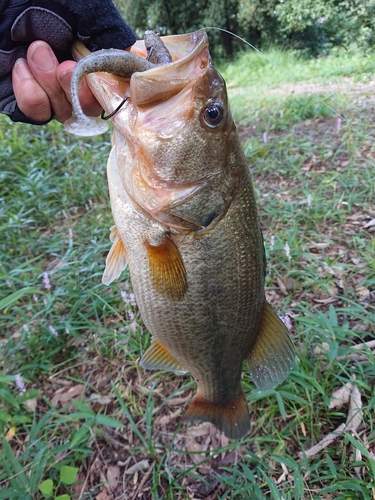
x=113 y=473
x=103 y=495
x=142 y=465
x=341 y=396
x=179 y=401
x=10 y=434
x=193 y=446
x=354 y=419
x=167 y=419
x=369 y=224
x=199 y=430
x=102 y=400
x=326 y=441
x=72 y=392
x=64 y=396
x=31 y=404
x=352 y=423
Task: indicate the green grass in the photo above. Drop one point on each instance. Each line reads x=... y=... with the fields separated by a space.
x=89 y=406
x=258 y=84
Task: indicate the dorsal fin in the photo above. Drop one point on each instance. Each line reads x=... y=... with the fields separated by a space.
x=273 y=355
x=167 y=270
x=116 y=261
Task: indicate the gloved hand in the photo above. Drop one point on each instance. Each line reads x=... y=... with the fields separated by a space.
x=96 y=23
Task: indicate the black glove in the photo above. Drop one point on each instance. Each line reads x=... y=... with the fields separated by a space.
x=96 y=23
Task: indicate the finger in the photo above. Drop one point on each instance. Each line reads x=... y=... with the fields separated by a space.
x=43 y=64
x=31 y=98
x=88 y=102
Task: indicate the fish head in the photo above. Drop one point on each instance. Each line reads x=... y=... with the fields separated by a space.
x=181 y=115
x=174 y=135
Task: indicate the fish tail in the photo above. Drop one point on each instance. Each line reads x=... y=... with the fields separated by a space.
x=232 y=418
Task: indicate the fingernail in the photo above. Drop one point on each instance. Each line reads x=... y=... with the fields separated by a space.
x=65 y=79
x=43 y=58
x=22 y=69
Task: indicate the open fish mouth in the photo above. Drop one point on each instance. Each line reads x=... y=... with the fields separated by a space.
x=146 y=81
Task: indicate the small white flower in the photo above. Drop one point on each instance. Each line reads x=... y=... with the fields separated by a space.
x=53 y=331
x=272 y=242
x=287 y=321
x=46 y=281
x=20 y=383
x=132 y=300
x=287 y=251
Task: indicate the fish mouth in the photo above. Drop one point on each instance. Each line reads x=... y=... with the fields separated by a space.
x=190 y=57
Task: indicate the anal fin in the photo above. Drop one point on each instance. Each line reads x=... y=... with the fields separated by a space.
x=167 y=270
x=116 y=261
x=157 y=357
x=272 y=357
x=232 y=417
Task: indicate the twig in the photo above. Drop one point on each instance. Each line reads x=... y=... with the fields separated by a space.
x=352 y=423
x=144 y=479
x=353 y=356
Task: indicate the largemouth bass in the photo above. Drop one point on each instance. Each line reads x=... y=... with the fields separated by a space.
x=186 y=223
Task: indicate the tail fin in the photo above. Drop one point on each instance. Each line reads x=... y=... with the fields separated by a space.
x=232 y=418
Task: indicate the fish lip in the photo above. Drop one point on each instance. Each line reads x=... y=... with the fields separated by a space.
x=198 y=42
x=191 y=59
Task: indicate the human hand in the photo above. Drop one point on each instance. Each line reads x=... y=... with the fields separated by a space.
x=41 y=86
x=35 y=59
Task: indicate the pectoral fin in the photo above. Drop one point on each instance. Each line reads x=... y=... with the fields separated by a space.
x=167 y=270
x=272 y=357
x=115 y=262
x=157 y=357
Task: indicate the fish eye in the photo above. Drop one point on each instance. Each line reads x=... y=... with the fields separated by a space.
x=213 y=114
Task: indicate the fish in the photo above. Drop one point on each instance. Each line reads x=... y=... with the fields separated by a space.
x=186 y=224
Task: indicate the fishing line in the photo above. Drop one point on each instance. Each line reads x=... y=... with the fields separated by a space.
x=292 y=79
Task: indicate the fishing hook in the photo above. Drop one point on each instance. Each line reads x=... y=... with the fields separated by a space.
x=103 y=117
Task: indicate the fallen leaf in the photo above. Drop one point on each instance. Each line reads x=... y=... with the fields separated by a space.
x=102 y=400
x=354 y=419
x=179 y=401
x=352 y=423
x=72 y=392
x=64 y=396
x=31 y=404
x=10 y=434
x=369 y=224
x=142 y=465
x=167 y=419
x=103 y=495
x=199 y=430
x=113 y=473
x=341 y=396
